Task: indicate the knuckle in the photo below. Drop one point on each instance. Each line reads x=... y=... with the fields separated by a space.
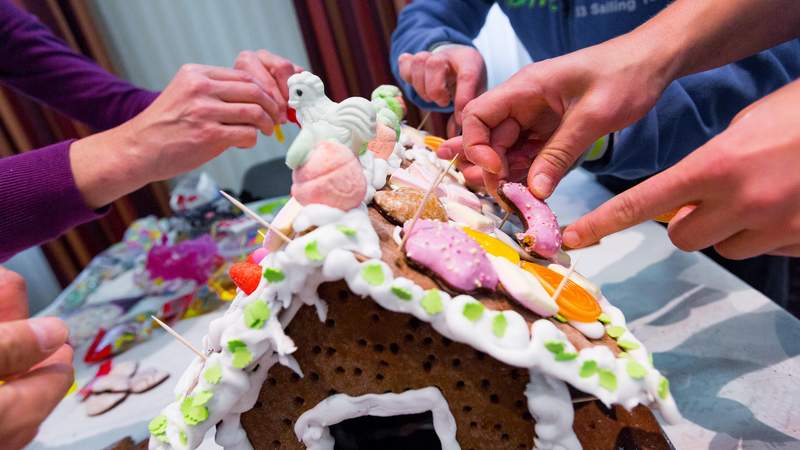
x=197 y=84
x=558 y=157
x=627 y=210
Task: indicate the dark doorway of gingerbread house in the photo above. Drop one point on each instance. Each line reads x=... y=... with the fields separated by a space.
x=387 y=433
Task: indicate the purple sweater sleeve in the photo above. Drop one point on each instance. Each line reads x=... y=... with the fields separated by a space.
x=38 y=197
x=38 y=64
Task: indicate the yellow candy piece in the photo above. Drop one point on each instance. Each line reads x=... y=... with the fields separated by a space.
x=279 y=134
x=493 y=246
x=433 y=142
x=72 y=389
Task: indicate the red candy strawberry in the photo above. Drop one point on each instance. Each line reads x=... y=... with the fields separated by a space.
x=246 y=276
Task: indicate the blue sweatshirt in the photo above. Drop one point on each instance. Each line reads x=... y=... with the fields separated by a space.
x=691 y=110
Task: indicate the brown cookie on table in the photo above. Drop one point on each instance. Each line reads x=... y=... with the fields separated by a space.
x=111 y=383
x=99 y=403
x=147 y=379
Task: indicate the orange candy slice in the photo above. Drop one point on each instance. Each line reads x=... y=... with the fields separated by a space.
x=433 y=142
x=574 y=302
x=493 y=246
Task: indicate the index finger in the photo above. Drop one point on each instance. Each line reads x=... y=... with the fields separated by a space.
x=13 y=296
x=659 y=194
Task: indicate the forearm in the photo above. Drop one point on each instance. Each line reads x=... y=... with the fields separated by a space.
x=694 y=36
x=39 y=199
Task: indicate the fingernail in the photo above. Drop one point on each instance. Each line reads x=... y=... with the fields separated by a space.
x=571 y=239
x=542 y=185
x=51 y=333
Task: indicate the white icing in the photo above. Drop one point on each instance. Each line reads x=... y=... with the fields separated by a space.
x=312 y=428
x=592 y=330
x=550 y=404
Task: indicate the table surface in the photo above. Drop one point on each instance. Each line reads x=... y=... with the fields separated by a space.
x=730 y=353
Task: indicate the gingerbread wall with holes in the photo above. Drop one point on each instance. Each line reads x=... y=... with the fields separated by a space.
x=362 y=349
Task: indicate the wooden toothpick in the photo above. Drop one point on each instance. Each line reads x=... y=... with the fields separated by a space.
x=252 y=214
x=425 y=197
x=424 y=119
x=505 y=219
x=564 y=280
x=180 y=338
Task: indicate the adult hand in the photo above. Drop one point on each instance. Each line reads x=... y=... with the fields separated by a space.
x=566 y=102
x=271 y=72
x=202 y=112
x=742 y=189
x=35 y=363
x=452 y=73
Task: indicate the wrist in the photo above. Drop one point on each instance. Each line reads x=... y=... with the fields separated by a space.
x=105 y=166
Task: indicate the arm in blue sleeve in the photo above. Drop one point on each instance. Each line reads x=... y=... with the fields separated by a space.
x=694 y=109
x=425 y=23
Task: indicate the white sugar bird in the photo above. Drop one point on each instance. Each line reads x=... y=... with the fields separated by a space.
x=351 y=122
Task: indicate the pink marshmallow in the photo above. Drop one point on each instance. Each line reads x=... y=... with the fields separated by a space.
x=542 y=235
x=331 y=176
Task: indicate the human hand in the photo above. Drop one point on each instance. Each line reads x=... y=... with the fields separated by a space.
x=35 y=363
x=453 y=73
x=202 y=112
x=739 y=192
x=271 y=72
x=566 y=102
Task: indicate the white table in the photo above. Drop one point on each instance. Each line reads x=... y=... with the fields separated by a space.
x=731 y=354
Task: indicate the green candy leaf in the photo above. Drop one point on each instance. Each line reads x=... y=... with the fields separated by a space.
x=193 y=414
x=566 y=356
x=499 y=325
x=158 y=425
x=202 y=397
x=628 y=345
x=256 y=314
x=560 y=318
x=432 y=302
x=241 y=354
x=635 y=370
x=274 y=275
x=604 y=319
x=273 y=206
x=588 y=368
x=347 y=231
x=650 y=358
x=663 y=388
x=312 y=251
x=554 y=346
x=402 y=293
x=182 y=437
x=373 y=274
x=608 y=380
x=624 y=355
x=213 y=374
x=615 y=331
x=473 y=311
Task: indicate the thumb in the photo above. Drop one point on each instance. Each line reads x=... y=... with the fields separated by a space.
x=568 y=142
x=24 y=343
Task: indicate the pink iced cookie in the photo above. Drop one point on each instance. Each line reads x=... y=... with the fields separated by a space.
x=542 y=235
x=383 y=144
x=449 y=253
x=331 y=176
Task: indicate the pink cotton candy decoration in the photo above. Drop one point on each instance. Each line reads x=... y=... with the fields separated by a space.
x=449 y=253
x=332 y=175
x=383 y=144
x=542 y=235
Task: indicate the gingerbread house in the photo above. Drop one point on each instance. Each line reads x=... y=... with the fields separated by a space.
x=389 y=309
